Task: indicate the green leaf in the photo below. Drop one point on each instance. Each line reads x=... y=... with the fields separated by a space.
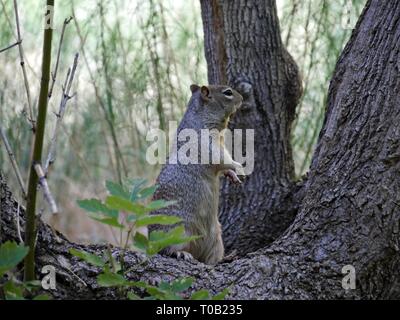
x=175 y=233
x=121 y=204
x=10 y=255
x=108 y=221
x=200 y=295
x=94 y=205
x=155 y=292
x=159 y=204
x=12 y=291
x=132 y=296
x=140 y=241
x=164 y=286
x=146 y=192
x=158 y=240
x=110 y=279
x=141 y=284
x=88 y=257
x=161 y=294
x=222 y=294
x=131 y=217
x=156 y=219
x=180 y=285
x=137 y=185
x=30 y=285
x=117 y=190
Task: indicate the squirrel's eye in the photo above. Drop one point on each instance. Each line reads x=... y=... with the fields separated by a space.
x=228 y=92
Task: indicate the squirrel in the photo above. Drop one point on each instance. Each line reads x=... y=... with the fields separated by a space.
x=195 y=187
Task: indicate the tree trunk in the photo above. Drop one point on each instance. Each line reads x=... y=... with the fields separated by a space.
x=243 y=49
x=349 y=214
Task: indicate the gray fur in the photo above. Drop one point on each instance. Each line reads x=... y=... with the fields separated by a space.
x=195 y=187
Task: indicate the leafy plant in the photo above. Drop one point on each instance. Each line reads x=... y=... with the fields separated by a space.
x=124 y=205
x=126 y=209
x=11 y=254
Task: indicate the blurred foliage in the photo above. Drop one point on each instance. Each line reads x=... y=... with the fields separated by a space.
x=137 y=60
x=11 y=287
x=125 y=210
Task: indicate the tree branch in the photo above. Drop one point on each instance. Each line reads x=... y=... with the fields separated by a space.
x=31 y=118
x=54 y=73
x=61 y=111
x=45 y=187
x=10 y=46
x=13 y=162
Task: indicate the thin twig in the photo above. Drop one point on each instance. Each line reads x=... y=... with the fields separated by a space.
x=15 y=36
x=18 y=225
x=45 y=187
x=13 y=161
x=73 y=273
x=66 y=265
x=10 y=46
x=22 y=63
x=63 y=105
x=112 y=262
x=54 y=73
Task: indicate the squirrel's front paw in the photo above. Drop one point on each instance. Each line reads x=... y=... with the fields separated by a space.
x=184 y=255
x=232 y=176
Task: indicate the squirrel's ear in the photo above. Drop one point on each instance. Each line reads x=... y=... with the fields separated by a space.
x=205 y=93
x=194 y=88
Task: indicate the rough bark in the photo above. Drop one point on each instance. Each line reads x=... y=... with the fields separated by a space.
x=350 y=210
x=243 y=48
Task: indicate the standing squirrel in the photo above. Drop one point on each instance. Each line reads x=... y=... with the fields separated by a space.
x=195 y=187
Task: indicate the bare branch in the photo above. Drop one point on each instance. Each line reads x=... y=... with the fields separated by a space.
x=61 y=111
x=45 y=187
x=18 y=224
x=10 y=46
x=22 y=63
x=13 y=161
x=54 y=73
x=11 y=25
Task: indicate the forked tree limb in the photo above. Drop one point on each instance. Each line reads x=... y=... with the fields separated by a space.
x=66 y=96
